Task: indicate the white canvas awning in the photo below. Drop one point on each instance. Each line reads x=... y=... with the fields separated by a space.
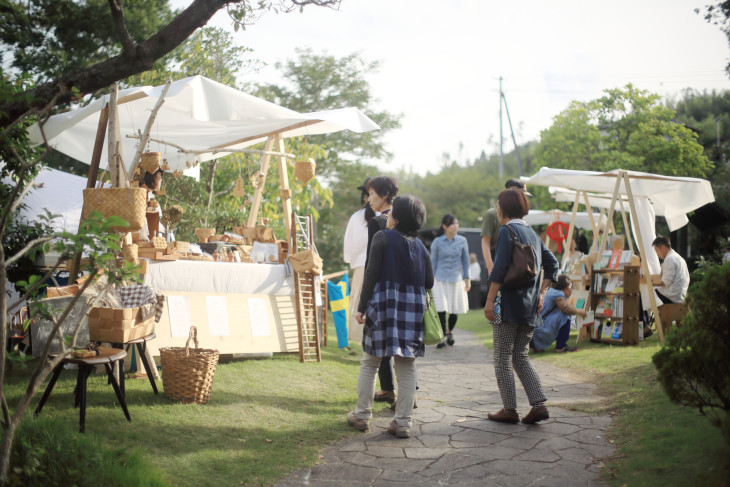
x=671 y=196
x=198 y=115
x=540 y=217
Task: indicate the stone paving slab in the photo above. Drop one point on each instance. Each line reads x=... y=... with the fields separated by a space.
x=453 y=443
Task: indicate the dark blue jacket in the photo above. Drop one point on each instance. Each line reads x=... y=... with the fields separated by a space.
x=519 y=306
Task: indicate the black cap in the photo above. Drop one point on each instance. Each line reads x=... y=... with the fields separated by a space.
x=364 y=184
x=516 y=183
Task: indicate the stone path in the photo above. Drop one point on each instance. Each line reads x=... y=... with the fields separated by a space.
x=453 y=443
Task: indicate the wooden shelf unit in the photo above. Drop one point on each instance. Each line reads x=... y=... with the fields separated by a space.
x=630 y=301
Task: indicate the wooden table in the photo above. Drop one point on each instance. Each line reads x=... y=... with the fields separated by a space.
x=106 y=357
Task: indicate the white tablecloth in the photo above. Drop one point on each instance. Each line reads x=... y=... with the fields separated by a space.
x=218 y=278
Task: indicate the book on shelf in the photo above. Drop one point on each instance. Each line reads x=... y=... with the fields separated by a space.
x=615 y=257
x=625 y=259
x=600 y=305
x=608 y=308
x=597 y=328
x=613 y=281
x=617 y=329
x=619 y=287
x=607 y=329
x=603 y=260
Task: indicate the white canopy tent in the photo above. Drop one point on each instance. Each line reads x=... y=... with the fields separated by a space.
x=671 y=196
x=199 y=115
x=195 y=120
x=545 y=217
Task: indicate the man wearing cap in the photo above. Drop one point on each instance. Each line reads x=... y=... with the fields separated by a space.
x=355 y=253
x=491 y=226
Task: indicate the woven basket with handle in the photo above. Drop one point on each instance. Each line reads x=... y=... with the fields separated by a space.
x=127 y=203
x=187 y=373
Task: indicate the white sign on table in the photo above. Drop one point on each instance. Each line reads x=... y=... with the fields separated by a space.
x=259 y=317
x=180 y=316
x=217 y=315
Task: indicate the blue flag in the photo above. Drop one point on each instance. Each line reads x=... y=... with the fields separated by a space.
x=339 y=297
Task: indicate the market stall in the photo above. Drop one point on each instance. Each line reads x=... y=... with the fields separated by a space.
x=645 y=195
x=239 y=303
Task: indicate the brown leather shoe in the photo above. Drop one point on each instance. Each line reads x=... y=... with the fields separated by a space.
x=385 y=396
x=357 y=423
x=538 y=413
x=399 y=431
x=504 y=416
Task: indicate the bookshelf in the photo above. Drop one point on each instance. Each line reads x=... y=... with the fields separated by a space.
x=615 y=304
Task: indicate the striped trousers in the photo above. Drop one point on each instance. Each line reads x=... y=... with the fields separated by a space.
x=511 y=347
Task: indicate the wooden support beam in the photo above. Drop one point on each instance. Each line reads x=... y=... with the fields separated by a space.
x=566 y=253
x=256 y=203
x=644 y=263
x=284 y=184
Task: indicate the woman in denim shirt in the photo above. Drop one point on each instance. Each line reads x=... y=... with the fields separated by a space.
x=520 y=308
x=450 y=258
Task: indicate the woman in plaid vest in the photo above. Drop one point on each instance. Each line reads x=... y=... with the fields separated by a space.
x=392 y=303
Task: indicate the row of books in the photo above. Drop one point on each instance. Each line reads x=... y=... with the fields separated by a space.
x=610 y=306
x=608 y=283
x=603 y=330
x=613 y=259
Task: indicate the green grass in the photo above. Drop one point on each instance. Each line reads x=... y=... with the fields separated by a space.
x=658 y=443
x=266 y=418
x=270 y=417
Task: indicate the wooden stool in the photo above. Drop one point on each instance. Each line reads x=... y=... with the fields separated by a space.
x=142 y=351
x=106 y=357
x=670 y=313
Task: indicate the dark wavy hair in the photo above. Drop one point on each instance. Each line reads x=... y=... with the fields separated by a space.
x=513 y=203
x=149 y=177
x=447 y=220
x=562 y=283
x=385 y=186
x=410 y=213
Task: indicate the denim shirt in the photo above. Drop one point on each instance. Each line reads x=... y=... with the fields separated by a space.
x=519 y=306
x=450 y=258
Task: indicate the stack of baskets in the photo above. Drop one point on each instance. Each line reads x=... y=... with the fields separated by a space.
x=187 y=373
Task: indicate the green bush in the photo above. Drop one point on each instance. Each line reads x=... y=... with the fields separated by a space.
x=693 y=364
x=52 y=454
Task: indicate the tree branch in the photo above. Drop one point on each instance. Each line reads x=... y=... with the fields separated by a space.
x=141 y=58
x=120 y=26
x=25 y=249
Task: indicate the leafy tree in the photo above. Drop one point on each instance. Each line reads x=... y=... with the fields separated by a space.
x=692 y=365
x=128 y=56
x=314 y=82
x=626 y=128
x=708 y=114
x=719 y=14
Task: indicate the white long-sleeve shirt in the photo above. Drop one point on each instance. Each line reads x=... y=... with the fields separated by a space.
x=675 y=277
x=355 y=247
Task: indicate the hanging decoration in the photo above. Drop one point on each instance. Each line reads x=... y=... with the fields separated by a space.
x=239 y=191
x=150 y=161
x=304 y=170
x=258 y=179
x=558 y=231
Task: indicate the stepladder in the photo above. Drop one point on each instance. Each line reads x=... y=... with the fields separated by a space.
x=305 y=293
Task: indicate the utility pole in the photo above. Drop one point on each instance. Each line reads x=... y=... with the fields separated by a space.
x=503 y=100
x=501 y=153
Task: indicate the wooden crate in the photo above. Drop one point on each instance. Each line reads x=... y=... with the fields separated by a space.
x=119 y=325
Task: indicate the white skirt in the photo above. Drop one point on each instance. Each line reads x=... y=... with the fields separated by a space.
x=450 y=297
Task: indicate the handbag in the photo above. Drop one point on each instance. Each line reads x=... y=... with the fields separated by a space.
x=433 y=334
x=522 y=267
x=306 y=261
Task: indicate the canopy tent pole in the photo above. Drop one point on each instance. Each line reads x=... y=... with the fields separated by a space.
x=566 y=253
x=589 y=210
x=93 y=174
x=609 y=219
x=284 y=183
x=643 y=260
x=626 y=225
x=254 y=213
x=114 y=150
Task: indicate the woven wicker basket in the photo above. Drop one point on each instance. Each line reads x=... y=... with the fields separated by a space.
x=187 y=373
x=150 y=161
x=127 y=203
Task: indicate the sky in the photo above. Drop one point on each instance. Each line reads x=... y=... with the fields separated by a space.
x=441 y=62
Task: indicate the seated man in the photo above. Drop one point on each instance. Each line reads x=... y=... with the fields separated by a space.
x=556 y=315
x=674 y=278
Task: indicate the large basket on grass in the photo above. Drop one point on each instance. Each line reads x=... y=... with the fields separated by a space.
x=187 y=373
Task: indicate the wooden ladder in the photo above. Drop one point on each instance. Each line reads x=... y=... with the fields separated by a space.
x=305 y=293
